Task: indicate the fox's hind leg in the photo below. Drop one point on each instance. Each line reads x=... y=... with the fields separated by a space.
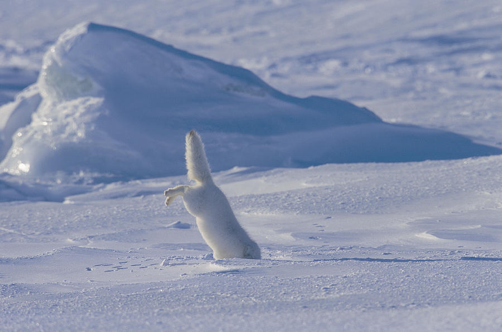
x=172 y=193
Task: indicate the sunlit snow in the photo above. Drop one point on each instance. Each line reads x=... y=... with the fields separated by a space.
x=377 y=206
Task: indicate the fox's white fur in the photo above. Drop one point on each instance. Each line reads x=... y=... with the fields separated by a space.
x=207 y=203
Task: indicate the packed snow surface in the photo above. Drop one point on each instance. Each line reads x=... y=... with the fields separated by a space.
x=409 y=246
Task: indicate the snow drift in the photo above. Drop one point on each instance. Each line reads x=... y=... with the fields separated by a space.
x=112 y=104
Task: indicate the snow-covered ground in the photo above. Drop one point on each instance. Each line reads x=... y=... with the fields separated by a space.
x=408 y=246
x=345 y=247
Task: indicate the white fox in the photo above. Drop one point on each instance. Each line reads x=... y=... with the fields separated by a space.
x=207 y=203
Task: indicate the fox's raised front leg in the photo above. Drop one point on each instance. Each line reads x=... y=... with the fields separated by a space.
x=172 y=193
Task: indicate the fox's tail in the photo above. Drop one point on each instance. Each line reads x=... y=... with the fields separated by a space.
x=197 y=165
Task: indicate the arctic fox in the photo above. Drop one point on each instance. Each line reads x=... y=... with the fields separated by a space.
x=207 y=203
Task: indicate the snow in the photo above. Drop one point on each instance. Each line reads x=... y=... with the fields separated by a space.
x=115 y=105
x=413 y=245
x=352 y=246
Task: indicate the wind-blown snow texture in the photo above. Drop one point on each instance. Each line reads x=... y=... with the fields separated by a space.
x=411 y=246
x=116 y=105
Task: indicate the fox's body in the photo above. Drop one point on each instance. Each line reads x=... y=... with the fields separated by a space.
x=207 y=203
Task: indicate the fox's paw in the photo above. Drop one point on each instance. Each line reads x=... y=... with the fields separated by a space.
x=168 y=192
x=169 y=200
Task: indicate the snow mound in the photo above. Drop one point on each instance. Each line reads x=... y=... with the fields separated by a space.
x=110 y=104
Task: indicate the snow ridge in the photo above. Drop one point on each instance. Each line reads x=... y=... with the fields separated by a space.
x=113 y=104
